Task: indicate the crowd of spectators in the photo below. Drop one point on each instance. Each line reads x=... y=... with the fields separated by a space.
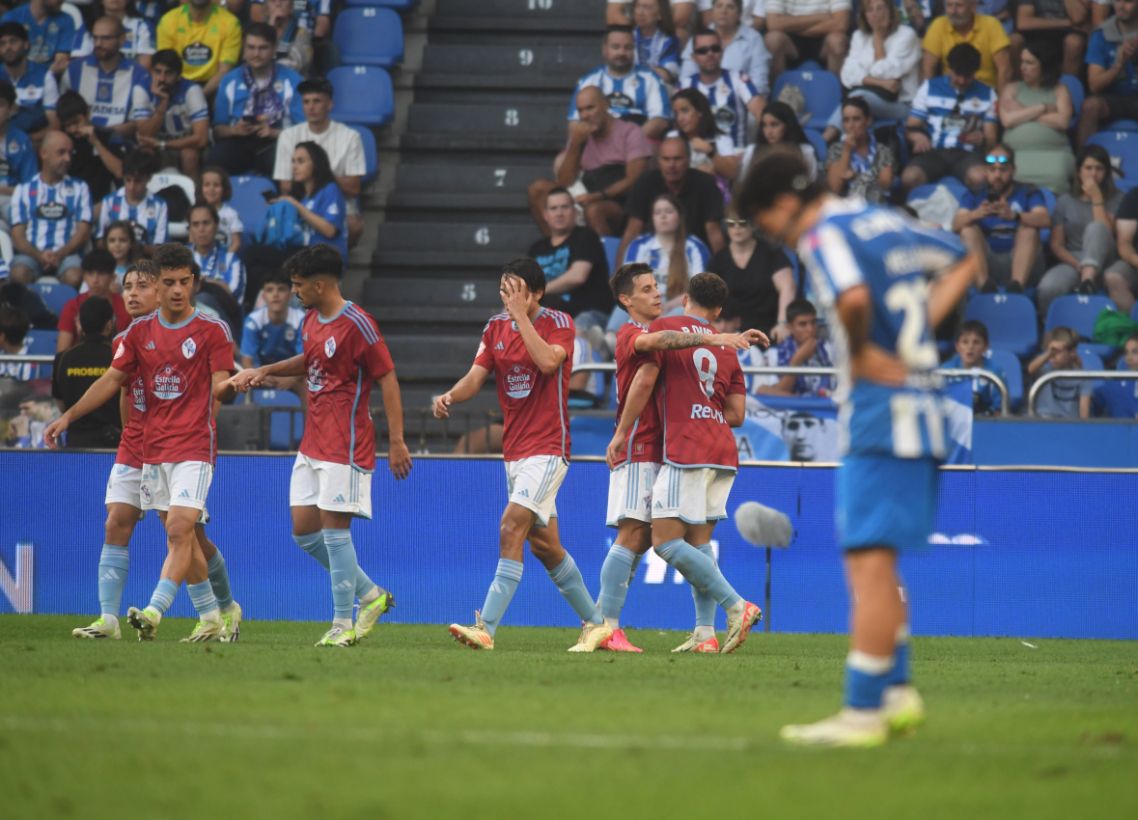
x=998 y=103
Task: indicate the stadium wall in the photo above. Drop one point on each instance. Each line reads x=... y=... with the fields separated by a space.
x=1031 y=553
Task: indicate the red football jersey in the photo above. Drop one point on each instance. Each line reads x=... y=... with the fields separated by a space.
x=69 y=316
x=130 y=443
x=692 y=393
x=645 y=442
x=535 y=406
x=343 y=357
x=176 y=364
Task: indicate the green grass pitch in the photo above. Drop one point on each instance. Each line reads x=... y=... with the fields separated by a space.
x=409 y=724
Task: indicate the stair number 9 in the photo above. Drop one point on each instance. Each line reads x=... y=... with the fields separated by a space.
x=512 y=117
x=705 y=368
x=525 y=57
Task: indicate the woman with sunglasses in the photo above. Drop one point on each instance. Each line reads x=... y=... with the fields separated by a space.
x=742 y=47
x=1082 y=229
x=1036 y=112
x=760 y=280
x=857 y=165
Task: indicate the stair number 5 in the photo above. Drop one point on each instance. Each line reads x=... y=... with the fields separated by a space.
x=540 y=5
x=512 y=117
x=705 y=368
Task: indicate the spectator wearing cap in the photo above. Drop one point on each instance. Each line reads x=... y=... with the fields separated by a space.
x=133 y=203
x=178 y=128
x=340 y=142
x=98 y=280
x=77 y=368
x=255 y=103
x=95 y=156
x=17 y=157
x=50 y=217
x=117 y=89
x=206 y=37
x=51 y=32
x=36 y=89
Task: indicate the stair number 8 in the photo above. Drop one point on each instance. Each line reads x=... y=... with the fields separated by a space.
x=512 y=117
x=705 y=368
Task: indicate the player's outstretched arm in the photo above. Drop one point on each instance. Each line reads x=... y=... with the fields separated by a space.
x=735 y=409
x=245 y=380
x=678 y=340
x=464 y=389
x=223 y=389
x=948 y=289
x=398 y=456
x=102 y=391
x=639 y=394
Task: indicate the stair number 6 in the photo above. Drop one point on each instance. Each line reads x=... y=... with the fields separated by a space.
x=482 y=236
x=512 y=117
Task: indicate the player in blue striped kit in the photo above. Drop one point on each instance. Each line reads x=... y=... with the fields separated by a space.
x=870 y=269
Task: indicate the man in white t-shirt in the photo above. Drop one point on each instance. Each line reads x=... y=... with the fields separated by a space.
x=343 y=145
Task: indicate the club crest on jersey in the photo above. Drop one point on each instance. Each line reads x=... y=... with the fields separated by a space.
x=330 y=347
x=519 y=381
x=189 y=348
x=168 y=383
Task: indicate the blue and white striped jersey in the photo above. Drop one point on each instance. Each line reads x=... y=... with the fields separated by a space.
x=115 y=96
x=855 y=244
x=139 y=38
x=235 y=100
x=17 y=158
x=54 y=35
x=658 y=51
x=951 y=113
x=224 y=266
x=728 y=97
x=51 y=213
x=36 y=90
x=646 y=248
x=638 y=96
x=187 y=105
x=148 y=217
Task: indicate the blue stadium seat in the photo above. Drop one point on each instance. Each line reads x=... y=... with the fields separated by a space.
x=371 y=156
x=1078 y=94
x=819 y=144
x=1121 y=125
x=54 y=294
x=1134 y=312
x=363 y=95
x=612 y=245
x=42 y=343
x=369 y=36
x=1013 y=374
x=821 y=89
x=1010 y=319
x=1050 y=199
x=1079 y=313
x=1123 y=149
x=281 y=437
x=1090 y=358
x=248 y=200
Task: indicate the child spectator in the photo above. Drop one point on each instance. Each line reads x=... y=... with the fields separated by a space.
x=1118 y=399
x=94 y=159
x=272 y=333
x=1061 y=398
x=216 y=190
x=972 y=351
x=133 y=203
x=802 y=348
x=98 y=277
x=218 y=264
x=654 y=35
x=121 y=244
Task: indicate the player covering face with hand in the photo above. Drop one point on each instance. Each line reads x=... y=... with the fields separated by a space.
x=527 y=349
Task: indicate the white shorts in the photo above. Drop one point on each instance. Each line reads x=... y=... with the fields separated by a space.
x=533 y=483
x=330 y=486
x=630 y=492
x=181 y=484
x=695 y=495
x=124 y=486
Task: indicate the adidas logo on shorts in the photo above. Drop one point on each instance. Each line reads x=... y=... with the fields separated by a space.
x=184 y=494
x=338 y=499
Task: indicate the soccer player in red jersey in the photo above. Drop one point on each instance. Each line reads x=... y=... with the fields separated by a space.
x=344 y=354
x=123 y=495
x=527 y=348
x=181 y=355
x=700 y=396
x=636 y=450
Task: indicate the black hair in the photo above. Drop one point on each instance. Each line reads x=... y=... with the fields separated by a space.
x=14 y=29
x=98 y=261
x=528 y=271
x=262 y=31
x=973 y=326
x=617 y=29
x=860 y=104
x=784 y=114
x=704 y=31
x=800 y=307
x=139 y=163
x=1102 y=157
x=322 y=175
x=1050 y=60
x=316 y=85
x=1007 y=149
x=226 y=184
x=7 y=92
x=315 y=260
x=774 y=171
x=175 y=256
x=277 y=277
x=964 y=60
x=14 y=324
x=708 y=127
x=708 y=290
x=94 y=315
x=623 y=280
x=71 y=105
x=142 y=267
x=169 y=58
x=557 y=189
x=205 y=206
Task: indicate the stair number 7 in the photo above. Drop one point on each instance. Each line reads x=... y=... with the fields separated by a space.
x=499 y=177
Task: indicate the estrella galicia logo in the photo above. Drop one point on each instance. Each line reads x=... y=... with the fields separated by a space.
x=168 y=383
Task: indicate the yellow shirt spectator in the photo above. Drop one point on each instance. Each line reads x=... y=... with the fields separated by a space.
x=987 y=36
x=202 y=46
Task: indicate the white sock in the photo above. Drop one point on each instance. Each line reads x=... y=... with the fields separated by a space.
x=368 y=597
x=110 y=620
x=613 y=622
x=211 y=617
x=704 y=633
x=343 y=623
x=737 y=609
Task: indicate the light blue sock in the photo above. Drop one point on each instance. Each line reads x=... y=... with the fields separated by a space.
x=203 y=598
x=572 y=585
x=704 y=604
x=163 y=595
x=867 y=676
x=501 y=592
x=313 y=544
x=700 y=571
x=342 y=567
x=219 y=580
x=114 y=562
x=616 y=573
x=899 y=675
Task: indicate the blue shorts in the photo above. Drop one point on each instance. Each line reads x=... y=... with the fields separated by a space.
x=885 y=501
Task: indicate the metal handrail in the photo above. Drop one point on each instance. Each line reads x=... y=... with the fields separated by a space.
x=26 y=358
x=1095 y=375
x=775 y=370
